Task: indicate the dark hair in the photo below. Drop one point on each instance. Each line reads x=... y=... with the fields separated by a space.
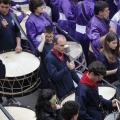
x=100 y=6
x=48 y=29
x=97 y=67
x=69 y=109
x=57 y=37
x=107 y=50
x=5 y=1
x=33 y=4
x=43 y=102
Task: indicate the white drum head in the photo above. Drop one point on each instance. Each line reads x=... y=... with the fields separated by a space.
x=112 y=116
x=107 y=92
x=76 y=49
x=18 y=113
x=19 y=64
x=70 y=97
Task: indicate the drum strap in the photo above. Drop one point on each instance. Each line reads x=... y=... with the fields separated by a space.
x=18 y=25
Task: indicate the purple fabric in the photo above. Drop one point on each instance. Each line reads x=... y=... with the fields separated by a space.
x=96 y=28
x=89 y=9
x=35 y=26
x=13 y=2
x=67 y=8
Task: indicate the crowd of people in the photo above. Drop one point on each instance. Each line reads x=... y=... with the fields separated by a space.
x=88 y=22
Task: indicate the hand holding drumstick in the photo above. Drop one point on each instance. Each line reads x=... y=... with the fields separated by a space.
x=116 y=103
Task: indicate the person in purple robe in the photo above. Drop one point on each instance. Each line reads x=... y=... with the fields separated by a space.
x=67 y=19
x=84 y=12
x=37 y=21
x=19 y=2
x=97 y=29
x=115 y=21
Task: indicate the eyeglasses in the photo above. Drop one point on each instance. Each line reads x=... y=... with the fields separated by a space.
x=49 y=37
x=53 y=100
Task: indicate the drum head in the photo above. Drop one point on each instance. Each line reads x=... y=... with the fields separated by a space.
x=19 y=64
x=112 y=116
x=107 y=92
x=68 y=97
x=18 y=113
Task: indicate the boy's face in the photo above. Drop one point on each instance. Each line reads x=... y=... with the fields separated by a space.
x=49 y=37
x=4 y=8
x=105 y=12
x=96 y=78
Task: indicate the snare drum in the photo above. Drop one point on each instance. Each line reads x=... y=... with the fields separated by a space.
x=112 y=116
x=107 y=92
x=77 y=53
x=18 y=113
x=21 y=73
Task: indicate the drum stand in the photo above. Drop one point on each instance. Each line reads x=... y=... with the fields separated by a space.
x=13 y=101
x=6 y=113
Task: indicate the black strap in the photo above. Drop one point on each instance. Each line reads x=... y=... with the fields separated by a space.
x=17 y=23
x=83 y=9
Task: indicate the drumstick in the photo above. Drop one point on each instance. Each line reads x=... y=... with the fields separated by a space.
x=118 y=107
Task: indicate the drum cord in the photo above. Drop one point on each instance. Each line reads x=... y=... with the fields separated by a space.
x=63 y=31
x=6 y=113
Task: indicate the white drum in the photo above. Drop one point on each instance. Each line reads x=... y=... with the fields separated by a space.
x=18 y=113
x=76 y=52
x=21 y=73
x=107 y=92
x=112 y=116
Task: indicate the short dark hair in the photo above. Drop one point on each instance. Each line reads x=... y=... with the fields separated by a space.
x=100 y=6
x=48 y=29
x=97 y=67
x=33 y=4
x=69 y=109
x=5 y=1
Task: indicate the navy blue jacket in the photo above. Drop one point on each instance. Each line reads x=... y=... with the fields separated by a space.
x=61 y=76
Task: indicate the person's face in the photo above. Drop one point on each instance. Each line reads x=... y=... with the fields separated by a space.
x=39 y=10
x=49 y=37
x=113 y=44
x=60 y=45
x=53 y=101
x=95 y=78
x=75 y=117
x=105 y=12
x=4 y=8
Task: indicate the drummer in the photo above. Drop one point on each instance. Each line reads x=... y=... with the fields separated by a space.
x=92 y=104
x=10 y=37
x=36 y=22
x=60 y=68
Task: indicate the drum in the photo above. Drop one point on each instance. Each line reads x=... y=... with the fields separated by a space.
x=18 y=113
x=112 y=116
x=71 y=95
x=107 y=92
x=21 y=73
x=77 y=53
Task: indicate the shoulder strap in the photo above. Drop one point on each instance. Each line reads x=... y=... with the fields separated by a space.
x=83 y=9
x=18 y=25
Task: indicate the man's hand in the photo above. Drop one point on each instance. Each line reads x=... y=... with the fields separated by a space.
x=114 y=102
x=4 y=23
x=18 y=49
x=71 y=65
x=112 y=29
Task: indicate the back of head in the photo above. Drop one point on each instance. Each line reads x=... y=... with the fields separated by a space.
x=100 y=6
x=33 y=4
x=5 y=1
x=57 y=37
x=48 y=29
x=43 y=101
x=98 y=68
x=69 y=109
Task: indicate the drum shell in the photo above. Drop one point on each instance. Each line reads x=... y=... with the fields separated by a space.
x=112 y=116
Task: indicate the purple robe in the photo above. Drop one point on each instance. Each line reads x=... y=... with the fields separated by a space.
x=20 y=2
x=54 y=4
x=67 y=19
x=81 y=22
x=115 y=22
x=35 y=26
x=95 y=29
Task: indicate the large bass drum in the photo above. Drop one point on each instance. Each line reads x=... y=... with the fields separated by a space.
x=21 y=73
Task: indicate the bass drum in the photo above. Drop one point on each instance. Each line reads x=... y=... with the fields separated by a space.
x=112 y=116
x=18 y=113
